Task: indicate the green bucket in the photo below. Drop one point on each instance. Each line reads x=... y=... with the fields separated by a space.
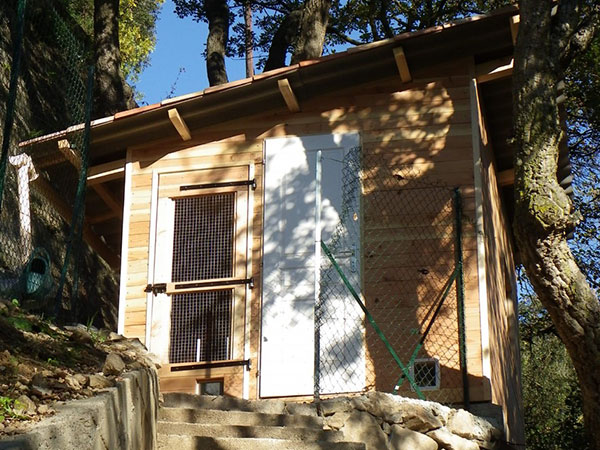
x=37 y=279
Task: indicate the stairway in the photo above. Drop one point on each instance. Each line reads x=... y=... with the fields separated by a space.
x=190 y=422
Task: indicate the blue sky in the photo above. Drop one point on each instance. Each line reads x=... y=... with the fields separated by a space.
x=179 y=45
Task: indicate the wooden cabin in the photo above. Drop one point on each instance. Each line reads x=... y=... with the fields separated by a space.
x=208 y=202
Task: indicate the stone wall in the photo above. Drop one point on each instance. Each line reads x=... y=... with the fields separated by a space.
x=121 y=418
x=390 y=422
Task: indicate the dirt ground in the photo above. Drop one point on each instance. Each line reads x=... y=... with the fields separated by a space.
x=41 y=364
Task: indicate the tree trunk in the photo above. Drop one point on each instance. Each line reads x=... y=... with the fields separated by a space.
x=249 y=40
x=283 y=39
x=311 y=35
x=112 y=93
x=543 y=211
x=217 y=14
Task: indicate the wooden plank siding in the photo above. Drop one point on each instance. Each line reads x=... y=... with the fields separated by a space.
x=502 y=298
x=425 y=123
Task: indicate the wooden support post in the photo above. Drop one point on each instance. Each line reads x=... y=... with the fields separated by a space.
x=179 y=124
x=288 y=95
x=402 y=64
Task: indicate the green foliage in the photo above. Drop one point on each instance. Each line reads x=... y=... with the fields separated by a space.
x=20 y=323
x=551 y=395
x=8 y=408
x=137 y=30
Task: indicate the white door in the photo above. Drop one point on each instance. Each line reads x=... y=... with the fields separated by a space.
x=301 y=209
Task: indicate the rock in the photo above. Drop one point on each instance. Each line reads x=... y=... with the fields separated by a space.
x=81 y=336
x=72 y=382
x=40 y=380
x=465 y=424
x=334 y=405
x=362 y=427
x=112 y=336
x=337 y=420
x=81 y=379
x=113 y=365
x=301 y=409
x=3 y=308
x=41 y=392
x=24 y=405
x=405 y=439
x=451 y=441
x=99 y=381
x=44 y=409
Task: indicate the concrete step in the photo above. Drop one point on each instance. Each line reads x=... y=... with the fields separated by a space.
x=239 y=431
x=183 y=442
x=270 y=406
x=210 y=416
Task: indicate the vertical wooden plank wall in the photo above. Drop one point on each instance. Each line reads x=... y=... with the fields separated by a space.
x=502 y=298
x=425 y=124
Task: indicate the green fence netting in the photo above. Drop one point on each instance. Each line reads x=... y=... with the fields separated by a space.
x=44 y=263
x=390 y=313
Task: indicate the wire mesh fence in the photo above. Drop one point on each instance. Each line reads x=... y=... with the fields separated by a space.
x=389 y=311
x=43 y=260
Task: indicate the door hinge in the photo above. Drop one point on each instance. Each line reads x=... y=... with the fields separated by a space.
x=156 y=288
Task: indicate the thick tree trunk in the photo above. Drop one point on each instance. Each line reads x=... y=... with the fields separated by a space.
x=543 y=214
x=112 y=93
x=283 y=39
x=313 y=25
x=217 y=14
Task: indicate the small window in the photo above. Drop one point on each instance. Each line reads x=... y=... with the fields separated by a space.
x=426 y=373
x=210 y=387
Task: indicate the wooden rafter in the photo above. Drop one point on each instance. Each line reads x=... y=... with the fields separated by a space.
x=109 y=199
x=402 y=64
x=179 y=124
x=103 y=173
x=493 y=70
x=288 y=95
x=506 y=177
x=66 y=213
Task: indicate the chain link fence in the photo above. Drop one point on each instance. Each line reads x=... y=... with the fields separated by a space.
x=390 y=315
x=44 y=263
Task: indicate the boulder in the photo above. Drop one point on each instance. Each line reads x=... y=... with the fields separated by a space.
x=363 y=427
x=468 y=426
x=24 y=405
x=451 y=441
x=99 y=381
x=404 y=439
x=113 y=365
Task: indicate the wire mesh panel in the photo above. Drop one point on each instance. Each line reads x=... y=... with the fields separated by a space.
x=203 y=237
x=201 y=326
x=394 y=251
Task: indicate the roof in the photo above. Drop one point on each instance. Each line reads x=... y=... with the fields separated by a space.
x=486 y=37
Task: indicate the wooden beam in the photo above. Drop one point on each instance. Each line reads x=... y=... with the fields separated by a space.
x=514 y=27
x=494 y=70
x=102 y=217
x=402 y=64
x=103 y=173
x=506 y=177
x=288 y=95
x=64 y=147
x=109 y=199
x=179 y=124
x=65 y=211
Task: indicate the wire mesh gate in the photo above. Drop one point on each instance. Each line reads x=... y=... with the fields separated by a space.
x=389 y=313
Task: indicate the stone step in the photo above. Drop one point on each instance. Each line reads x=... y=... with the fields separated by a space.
x=210 y=416
x=182 y=442
x=239 y=431
x=270 y=406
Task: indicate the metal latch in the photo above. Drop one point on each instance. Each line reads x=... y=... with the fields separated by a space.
x=157 y=288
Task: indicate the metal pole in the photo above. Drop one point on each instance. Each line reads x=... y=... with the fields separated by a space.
x=460 y=299
x=12 y=94
x=317 y=263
